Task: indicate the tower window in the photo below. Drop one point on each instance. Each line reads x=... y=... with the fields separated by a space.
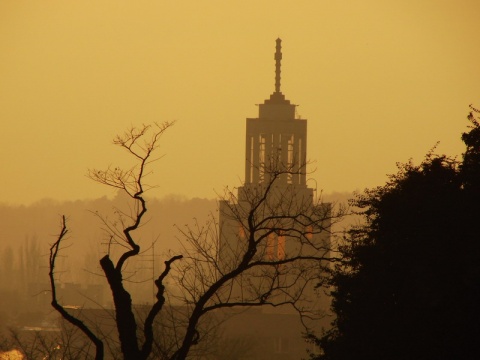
x=270 y=250
x=275 y=249
x=261 y=158
x=278 y=155
x=241 y=231
x=251 y=160
x=281 y=247
x=309 y=232
x=290 y=159
x=300 y=161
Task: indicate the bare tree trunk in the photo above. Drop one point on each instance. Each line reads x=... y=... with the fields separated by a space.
x=124 y=317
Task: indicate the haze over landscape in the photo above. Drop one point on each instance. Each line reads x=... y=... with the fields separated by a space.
x=379 y=82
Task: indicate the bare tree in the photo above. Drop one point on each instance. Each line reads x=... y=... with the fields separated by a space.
x=131 y=182
x=62 y=341
x=270 y=247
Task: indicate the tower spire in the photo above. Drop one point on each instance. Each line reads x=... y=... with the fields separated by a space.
x=277 y=97
x=278 y=60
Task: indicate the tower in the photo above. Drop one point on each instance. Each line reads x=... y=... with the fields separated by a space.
x=274 y=208
x=276 y=138
x=274 y=237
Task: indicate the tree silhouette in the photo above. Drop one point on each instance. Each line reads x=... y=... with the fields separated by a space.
x=202 y=281
x=409 y=285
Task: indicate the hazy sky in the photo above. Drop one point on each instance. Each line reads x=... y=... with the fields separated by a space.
x=379 y=82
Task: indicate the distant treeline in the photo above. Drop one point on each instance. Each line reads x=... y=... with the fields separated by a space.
x=28 y=231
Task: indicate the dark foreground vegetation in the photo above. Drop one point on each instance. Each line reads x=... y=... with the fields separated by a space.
x=408 y=286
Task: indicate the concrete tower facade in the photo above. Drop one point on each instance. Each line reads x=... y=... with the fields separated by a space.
x=275 y=221
x=276 y=136
x=275 y=162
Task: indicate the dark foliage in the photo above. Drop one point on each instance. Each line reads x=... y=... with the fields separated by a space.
x=409 y=286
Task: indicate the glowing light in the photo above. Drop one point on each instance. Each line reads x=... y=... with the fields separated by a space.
x=11 y=355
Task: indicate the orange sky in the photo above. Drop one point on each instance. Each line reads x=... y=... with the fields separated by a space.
x=379 y=82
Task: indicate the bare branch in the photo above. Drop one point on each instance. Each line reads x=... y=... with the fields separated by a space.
x=273 y=247
x=148 y=324
x=54 y=250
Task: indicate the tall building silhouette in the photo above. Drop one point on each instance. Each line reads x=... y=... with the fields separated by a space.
x=289 y=227
x=275 y=159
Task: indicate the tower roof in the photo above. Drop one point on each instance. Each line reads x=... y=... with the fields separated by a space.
x=277 y=107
